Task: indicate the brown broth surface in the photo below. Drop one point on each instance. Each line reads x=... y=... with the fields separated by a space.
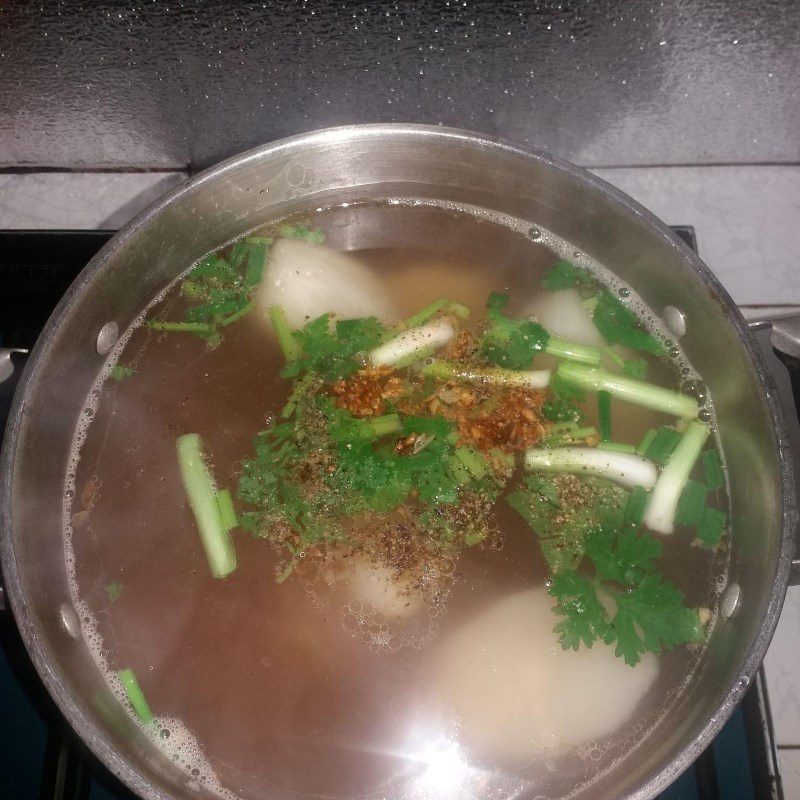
x=277 y=682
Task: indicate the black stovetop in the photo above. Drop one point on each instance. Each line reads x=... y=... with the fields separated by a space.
x=42 y=759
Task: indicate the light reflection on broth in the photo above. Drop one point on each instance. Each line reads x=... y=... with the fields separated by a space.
x=303 y=688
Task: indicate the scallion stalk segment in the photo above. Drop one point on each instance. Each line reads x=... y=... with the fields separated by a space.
x=639 y=392
x=412 y=341
x=660 y=514
x=624 y=468
x=202 y=496
x=289 y=345
x=135 y=695
x=497 y=376
x=582 y=353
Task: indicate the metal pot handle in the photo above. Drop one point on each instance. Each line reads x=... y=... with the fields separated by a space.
x=779 y=337
x=12 y=359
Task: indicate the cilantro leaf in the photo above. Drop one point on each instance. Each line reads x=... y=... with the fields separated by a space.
x=507 y=342
x=564 y=275
x=619 y=325
x=584 y=618
x=652 y=617
x=622 y=556
x=330 y=354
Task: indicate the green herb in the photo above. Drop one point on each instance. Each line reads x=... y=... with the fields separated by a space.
x=636 y=506
x=663 y=442
x=565 y=275
x=510 y=343
x=113 y=590
x=616 y=447
x=711 y=526
x=633 y=391
x=712 y=469
x=604 y=414
x=619 y=325
x=560 y=521
x=118 y=372
x=135 y=695
x=330 y=355
x=222 y=289
x=226 y=510
x=647 y=440
x=287 y=342
x=635 y=368
x=582 y=353
x=692 y=504
x=202 y=497
x=302 y=232
x=650 y=613
x=560 y=410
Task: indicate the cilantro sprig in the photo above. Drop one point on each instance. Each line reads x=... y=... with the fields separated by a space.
x=508 y=342
x=327 y=349
x=642 y=613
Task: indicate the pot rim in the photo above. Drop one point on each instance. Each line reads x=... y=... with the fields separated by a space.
x=94 y=736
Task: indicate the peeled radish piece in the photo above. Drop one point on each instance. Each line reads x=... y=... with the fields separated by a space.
x=517 y=694
x=563 y=314
x=308 y=280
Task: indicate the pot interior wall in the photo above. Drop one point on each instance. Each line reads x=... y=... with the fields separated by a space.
x=349 y=165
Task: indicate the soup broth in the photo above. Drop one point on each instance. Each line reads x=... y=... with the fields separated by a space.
x=315 y=684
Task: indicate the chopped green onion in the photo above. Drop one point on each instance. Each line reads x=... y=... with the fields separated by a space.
x=237 y=315
x=424 y=314
x=498 y=376
x=692 y=504
x=712 y=469
x=289 y=345
x=203 y=501
x=647 y=439
x=458 y=309
x=662 y=445
x=711 y=526
x=582 y=353
x=353 y=430
x=644 y=394
x=226 y=510
x=135 y=695
x=432 y=335
x=660 y=514
x=614 y=356
x=604 y=414
x=629 y=470
x=617 y=447
x=187 y=327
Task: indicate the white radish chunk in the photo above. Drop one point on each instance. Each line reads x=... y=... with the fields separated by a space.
x=517 y=694
x=309 y=280
x=563 y=314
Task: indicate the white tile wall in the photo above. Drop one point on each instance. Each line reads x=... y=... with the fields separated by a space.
x=748 y=226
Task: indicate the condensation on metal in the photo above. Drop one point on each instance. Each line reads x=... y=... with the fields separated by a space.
x=601 y=83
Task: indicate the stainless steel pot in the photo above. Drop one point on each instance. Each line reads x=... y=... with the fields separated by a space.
x=348 y=164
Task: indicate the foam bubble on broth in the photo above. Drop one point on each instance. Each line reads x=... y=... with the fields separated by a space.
x=371 y=624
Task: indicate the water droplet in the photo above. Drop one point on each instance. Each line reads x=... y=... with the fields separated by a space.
x=534 y=233
x=704 y=415
x=624 y=291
